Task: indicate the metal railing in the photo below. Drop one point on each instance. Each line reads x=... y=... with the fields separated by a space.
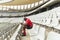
x=47 y=30
x=7 y=32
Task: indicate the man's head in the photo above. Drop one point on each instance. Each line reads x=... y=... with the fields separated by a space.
x=25 y=18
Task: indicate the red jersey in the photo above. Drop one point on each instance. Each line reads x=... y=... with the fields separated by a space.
x=28 y=22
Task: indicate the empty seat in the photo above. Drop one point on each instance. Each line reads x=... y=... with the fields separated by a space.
x=25 y=6
x=36 y=4
x=29 y=5
x=15 y=7
x=22 y=6
x=12 y=7
x=40 y=2
x=32 y=5
x=53 y=36
x=47 y=21
x=18 y=7
x=54 y=22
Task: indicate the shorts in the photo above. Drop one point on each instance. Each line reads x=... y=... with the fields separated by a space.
x=29 y=27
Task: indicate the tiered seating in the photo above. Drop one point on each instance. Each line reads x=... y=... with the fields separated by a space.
x=26 y=5
x=16 y=35
x=49 y=18
x=34 y=30
x=37 y=32
x=11 y=20
x=53 y=36
x=7 y=30
x=34 y=33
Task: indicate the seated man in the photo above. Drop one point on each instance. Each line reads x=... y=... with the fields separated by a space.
x=28 y=24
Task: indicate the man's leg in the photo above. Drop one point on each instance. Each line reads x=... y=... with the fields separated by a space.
x=24 y=30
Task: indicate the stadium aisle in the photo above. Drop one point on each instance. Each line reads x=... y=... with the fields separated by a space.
x=16 y=32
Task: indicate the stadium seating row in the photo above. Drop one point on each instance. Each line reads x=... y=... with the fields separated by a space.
x=21 y=7
x=7 y=30
x=50 y=18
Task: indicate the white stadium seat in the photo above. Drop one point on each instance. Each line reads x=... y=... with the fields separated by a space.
x=18 y=7
x=54 y=22
x=29 y=5
x=32 y=5
x=53 y=36
x=36 y=4
x=11 y=7
x=15 y=7
x=22 y=6
x=25 y=6
x=0 y=7
x=40 y=2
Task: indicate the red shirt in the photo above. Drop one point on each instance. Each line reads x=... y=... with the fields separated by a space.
x=28 y=22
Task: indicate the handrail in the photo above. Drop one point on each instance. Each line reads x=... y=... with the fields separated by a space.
x=10 y=33
x=18 y=37
x=47 y=30
x=48 y=27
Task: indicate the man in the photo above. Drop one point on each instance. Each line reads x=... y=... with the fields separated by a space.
x=28 y=24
